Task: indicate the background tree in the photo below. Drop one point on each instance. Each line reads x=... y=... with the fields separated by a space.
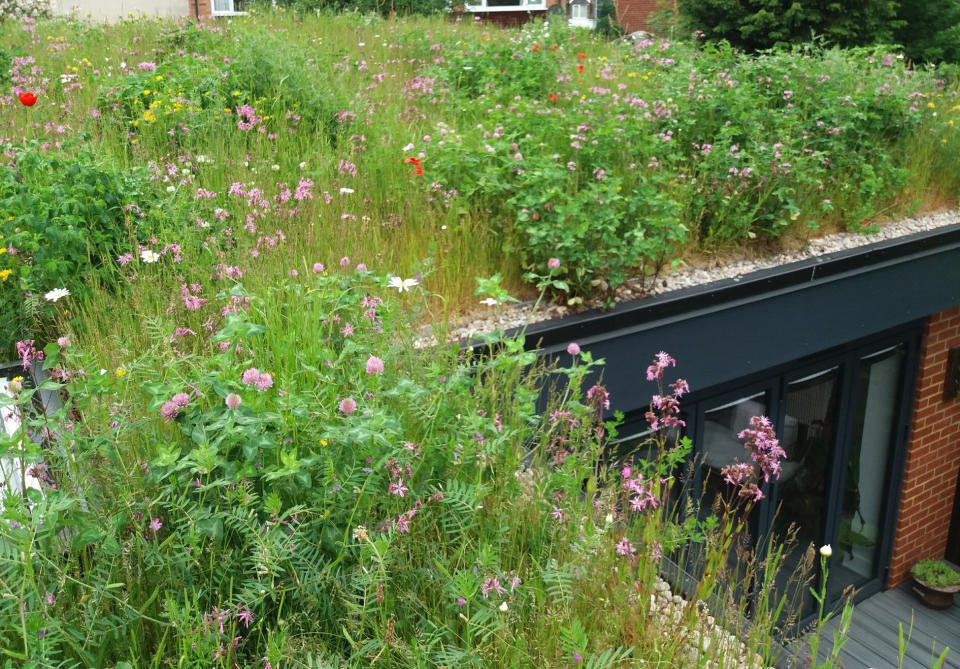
x=761 y=24
x=930 y=31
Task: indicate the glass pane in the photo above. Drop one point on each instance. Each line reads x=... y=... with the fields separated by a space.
x=719 y=446
x=719 y=443
x=807 y=436
x=223 y=5
x=855 y=554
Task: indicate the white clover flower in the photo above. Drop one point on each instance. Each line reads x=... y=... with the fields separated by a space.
x=504 y=607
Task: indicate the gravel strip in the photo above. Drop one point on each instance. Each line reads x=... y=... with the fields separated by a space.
x=708 y=639
x=696 y=273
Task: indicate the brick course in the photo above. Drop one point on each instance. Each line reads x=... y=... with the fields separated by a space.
x=933 y=456
x=633 y=14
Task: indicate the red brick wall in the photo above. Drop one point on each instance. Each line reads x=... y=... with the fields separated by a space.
x=933 y=458
x=632 y=14
x=202 y=8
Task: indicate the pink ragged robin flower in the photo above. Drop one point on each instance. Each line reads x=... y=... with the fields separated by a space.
x=624 y=547
x=397 y=488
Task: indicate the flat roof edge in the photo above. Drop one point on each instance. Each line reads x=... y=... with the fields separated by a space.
x=757 y=285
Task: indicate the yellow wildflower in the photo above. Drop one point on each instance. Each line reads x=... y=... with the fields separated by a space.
x=5 y=274
x=121 y=371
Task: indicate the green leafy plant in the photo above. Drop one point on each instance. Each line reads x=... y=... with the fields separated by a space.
x=66 y=221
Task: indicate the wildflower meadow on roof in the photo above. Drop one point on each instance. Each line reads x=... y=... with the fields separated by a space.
x=220 y=240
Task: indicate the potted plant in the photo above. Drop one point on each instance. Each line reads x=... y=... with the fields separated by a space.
x=935 y=583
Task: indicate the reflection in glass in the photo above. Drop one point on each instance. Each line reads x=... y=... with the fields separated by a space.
x=719 y=443
x=856 y=553
x=807 y=436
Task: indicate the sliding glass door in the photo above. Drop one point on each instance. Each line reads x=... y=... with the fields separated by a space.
x=863 y=499
x=840 y=421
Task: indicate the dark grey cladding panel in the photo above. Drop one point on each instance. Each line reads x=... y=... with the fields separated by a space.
x=735 y=328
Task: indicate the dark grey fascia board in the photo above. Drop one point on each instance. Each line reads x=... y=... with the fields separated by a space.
x=736 y=327
x=763 y=284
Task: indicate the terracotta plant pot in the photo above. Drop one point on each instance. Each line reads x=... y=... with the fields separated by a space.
x=935 y=598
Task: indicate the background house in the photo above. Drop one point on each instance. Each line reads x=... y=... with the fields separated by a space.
x=113 y=10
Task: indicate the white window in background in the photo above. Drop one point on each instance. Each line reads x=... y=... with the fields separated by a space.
x=225 y=7
x=579 y=11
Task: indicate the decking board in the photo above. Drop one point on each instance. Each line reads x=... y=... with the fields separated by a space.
x=872 y=641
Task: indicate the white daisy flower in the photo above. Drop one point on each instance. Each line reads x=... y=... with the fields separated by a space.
x=149 y=256
x=402 y=284
x=56 y=294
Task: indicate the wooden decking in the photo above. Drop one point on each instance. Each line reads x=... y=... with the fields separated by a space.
x=873 y=638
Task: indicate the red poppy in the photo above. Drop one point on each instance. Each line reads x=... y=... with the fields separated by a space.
x=417 y=169
x=580 y=69
x=27 y=99
x=553 y=97
x=581 y=56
